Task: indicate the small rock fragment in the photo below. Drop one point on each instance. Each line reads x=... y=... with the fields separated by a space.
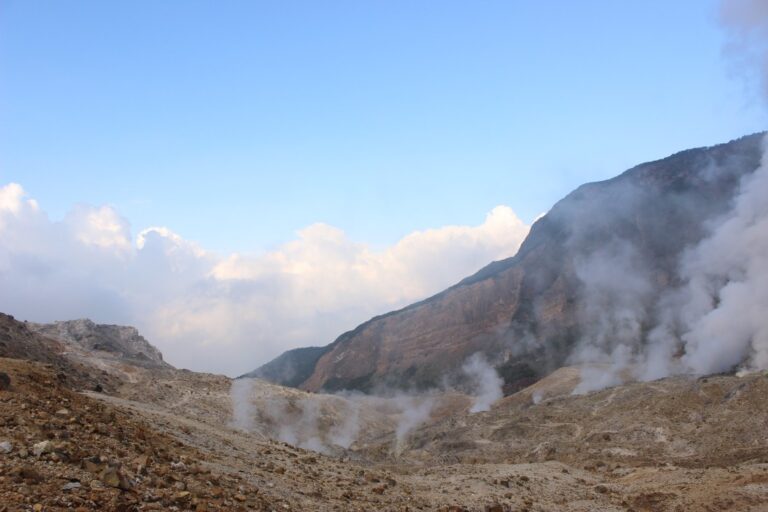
x=42 y=447
x=6 y=447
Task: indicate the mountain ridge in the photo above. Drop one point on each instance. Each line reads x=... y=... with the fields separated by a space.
x=690 y=186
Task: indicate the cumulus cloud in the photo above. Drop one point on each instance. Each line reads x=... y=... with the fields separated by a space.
x=226 y=314
x=101 y=227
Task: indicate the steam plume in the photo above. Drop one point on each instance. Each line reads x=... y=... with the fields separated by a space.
x=485 y=381
x=242 y=407
x=415 y=411
x=714 y=321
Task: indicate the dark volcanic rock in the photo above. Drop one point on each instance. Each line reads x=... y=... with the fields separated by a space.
x=523 y=311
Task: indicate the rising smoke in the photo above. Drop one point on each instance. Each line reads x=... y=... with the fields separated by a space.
x=485 y=381
x=243 y=410
x=414 y=412
x=725 y=297
x=327 y=423
x=713 y=321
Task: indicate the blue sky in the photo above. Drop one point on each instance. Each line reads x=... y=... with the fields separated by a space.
x=238 y=123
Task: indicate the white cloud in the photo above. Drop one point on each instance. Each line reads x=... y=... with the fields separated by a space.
x=226 y=314
x=11 y=197
x=101 y=227
x=13 y=203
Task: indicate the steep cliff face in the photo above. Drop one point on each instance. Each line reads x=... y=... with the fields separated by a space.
x=527 y=312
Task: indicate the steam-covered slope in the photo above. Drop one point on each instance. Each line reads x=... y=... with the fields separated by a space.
x=527 y=312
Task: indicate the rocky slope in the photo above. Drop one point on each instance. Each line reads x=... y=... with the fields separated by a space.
x=123 y=342
x=524 y=311
x=61 y=450
x=683 y=421
x=18 y=341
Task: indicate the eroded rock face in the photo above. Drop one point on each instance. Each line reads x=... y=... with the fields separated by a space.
x=123 y=341
x=525 y=311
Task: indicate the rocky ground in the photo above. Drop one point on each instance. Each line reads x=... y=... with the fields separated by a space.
x=61 y=450
x=105 y=434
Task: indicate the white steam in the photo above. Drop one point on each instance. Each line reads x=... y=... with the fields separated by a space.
x=415 y=410
x=726 y=294
x=326 y=423
x=485 y=382
x=346 y=432
x=242 y=407
x=714 y=321
x=330 y=423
